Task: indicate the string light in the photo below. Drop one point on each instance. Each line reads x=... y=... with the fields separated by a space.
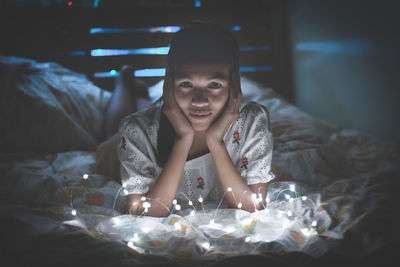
x=190 y=203
x=304 y=198
x=174 y=201
x=200 y=199
x=143 y=198
x=229 y=189
x=239 y=205
x=73 y=212
x=85 y=176
x=178 y=207
x=314 y=223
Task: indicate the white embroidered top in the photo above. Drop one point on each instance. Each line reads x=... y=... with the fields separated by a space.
x=248 y=140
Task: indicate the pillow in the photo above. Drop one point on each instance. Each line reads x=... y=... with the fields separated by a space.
x=48 y=108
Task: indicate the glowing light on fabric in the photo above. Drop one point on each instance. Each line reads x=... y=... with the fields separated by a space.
x=209 y=230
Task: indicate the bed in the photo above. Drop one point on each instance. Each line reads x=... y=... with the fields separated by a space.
x=56 y=210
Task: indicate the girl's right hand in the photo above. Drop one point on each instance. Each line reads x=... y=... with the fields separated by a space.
x=182 y=126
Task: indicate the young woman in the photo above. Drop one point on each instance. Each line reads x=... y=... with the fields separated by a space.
x=202 y=140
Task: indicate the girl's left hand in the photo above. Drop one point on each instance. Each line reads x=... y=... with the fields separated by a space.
x=219 y=127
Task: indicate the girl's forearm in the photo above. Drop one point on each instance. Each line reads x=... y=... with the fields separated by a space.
x=163 y=191
x=229 y=177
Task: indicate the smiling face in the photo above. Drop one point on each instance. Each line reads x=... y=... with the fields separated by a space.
x=201 y=92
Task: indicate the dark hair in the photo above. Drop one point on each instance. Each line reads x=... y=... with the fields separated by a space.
x=196 y=42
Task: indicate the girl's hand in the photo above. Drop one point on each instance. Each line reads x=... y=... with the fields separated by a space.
x=183 y=128
x=218 y=129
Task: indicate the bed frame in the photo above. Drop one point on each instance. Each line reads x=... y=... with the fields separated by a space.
x=70 y=36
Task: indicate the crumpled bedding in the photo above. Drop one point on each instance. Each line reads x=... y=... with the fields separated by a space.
x=352 y=178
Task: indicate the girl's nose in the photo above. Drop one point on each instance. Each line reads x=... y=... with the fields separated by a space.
x=200 y=97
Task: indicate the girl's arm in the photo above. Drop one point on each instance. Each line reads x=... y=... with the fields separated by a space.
x=163 y=191
x=227 y=173
x=229 y=177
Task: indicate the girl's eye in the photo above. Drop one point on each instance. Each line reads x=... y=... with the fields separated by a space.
x=215 y=85
x=185 y=84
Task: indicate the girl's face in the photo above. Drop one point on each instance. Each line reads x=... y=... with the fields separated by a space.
x=201 y=91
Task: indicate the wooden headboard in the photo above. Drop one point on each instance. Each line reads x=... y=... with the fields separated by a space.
x=81 y=38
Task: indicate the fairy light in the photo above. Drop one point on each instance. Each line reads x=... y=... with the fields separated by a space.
x=314 y=223
x=130 y=244
x=229 y=189
x=239 y=205
x=85 y=176
x=178 y=207
x=205 y=245
x=287 y=196
x=304 y=198
x=146 y=204
x=253 y=196
x=247 y=239
x=292 y=187
x=192 y=212
x=200 y=199
x=289 y=213
x=73 y=212
x=126 y=192
x=190 y=203
x=143 y=198
x=174 y=201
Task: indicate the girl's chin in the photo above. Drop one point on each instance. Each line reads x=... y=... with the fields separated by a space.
x=200 y=127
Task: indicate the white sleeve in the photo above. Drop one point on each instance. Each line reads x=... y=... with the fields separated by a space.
x=137 y=170
x=256 y=152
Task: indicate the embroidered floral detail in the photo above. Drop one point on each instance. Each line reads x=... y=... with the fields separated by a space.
x=123 y=143
x=244 y=163
x=236 y=137
x=200 y=182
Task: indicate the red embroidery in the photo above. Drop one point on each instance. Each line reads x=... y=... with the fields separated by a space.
x=200 y=182
x=244 y=162
x=123 y=143
x=236 y=137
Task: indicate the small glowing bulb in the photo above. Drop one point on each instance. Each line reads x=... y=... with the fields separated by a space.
x=190 y=203
x=174 y=201
x=130 y=244
x=124 y=185
x=287 y=196
x=229 y=189
x=146 y=229
x=247 y=239
x=73 y=212
x=135 y=237
x=314 y=223
x=205 y=245
x=253 y=196
x=85 y=176
x=177 y=207
x=200 y=199
x=239 y=205
x=146 y=204
x=126 y=192
x=192 y=213
x=259 y=195
x=212 y=222
x=146 y=210
x=292 y=187
x=267 y=199
x=304 y=198
x=143 y=198
x=289 y=213
x=291 y=199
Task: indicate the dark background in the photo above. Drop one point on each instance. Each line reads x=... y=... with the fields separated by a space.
x=337 y=60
